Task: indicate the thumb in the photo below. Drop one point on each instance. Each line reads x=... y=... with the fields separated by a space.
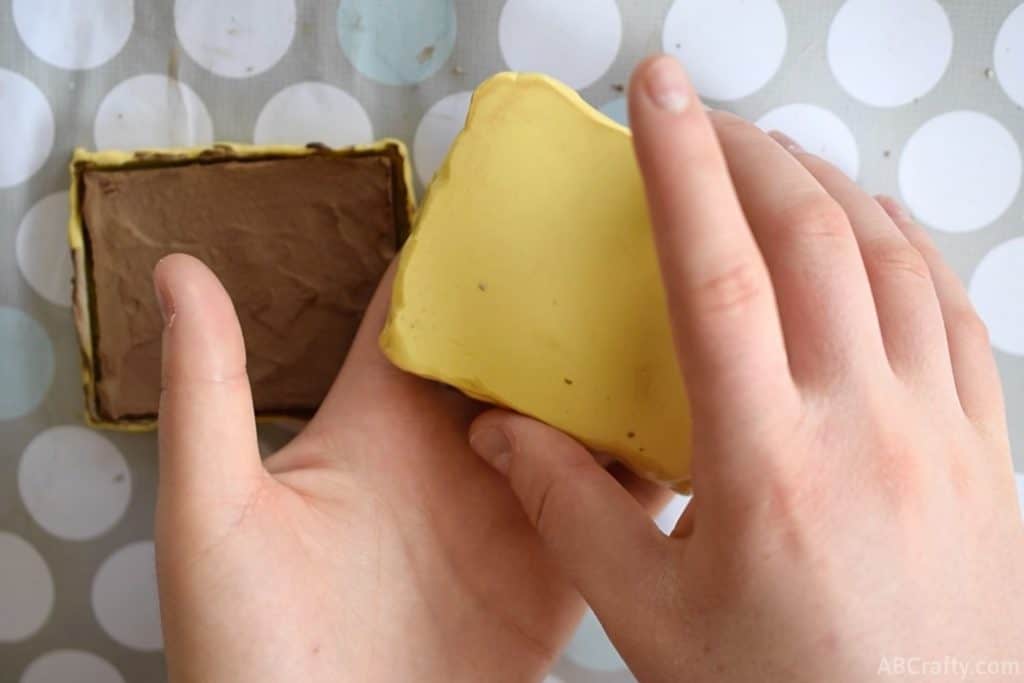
x=595 y=530
x=208 y=446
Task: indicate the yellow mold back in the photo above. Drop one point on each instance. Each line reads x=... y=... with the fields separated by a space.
x=530 y=279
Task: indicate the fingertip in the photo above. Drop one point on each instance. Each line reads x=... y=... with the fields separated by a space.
x=203 y=338
x=489 y=419
x=520 y=430
x=661 y=85
x=185 y=278
x=565 y=495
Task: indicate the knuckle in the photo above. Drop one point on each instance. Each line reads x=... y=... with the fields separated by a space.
x=816 y=216
x=965 y=322
x=899 y=474
x=732 y=290
x=889 y=255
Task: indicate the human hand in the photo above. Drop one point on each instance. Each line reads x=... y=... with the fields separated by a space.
x=374 y=547
x=853 y=489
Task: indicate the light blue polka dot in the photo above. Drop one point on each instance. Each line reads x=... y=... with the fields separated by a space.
x=397 y=42
x=26 y=363
x=617 y=110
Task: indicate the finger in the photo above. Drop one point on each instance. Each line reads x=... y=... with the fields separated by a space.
x=367 y=378
x=718 y=291
x=974 y=368
x=824 y=300
x=650 y=496
x=208 y=447
x=901 y=285
x=600 y=536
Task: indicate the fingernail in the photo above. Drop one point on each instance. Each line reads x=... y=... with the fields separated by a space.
x=165 y=301
x=667 y=85
x=491 y=444
x=791 y=145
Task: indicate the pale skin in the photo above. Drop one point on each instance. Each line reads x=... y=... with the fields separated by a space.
x=853 y=487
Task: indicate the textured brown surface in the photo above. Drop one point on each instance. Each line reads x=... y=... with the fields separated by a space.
x=299 y=244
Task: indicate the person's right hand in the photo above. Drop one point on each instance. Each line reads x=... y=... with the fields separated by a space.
x=854 y=498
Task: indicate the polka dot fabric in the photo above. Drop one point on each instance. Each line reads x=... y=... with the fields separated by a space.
x=920 y=99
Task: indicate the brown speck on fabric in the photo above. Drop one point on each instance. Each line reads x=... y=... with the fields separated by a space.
x=425 y=54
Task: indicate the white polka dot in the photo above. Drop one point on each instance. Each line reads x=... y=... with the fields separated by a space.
x=42 y=249
x=436 y=131
x=576 y=42
x=152 y=110
x=26 y=136
x=74 y=34
x=71 y=666
x=667 y=518
x=235 y=38
x=887 y=53
x=590 y=647
x=26 y=589
x=74 y=482
x=124 y=597
x=313 y=112
x=1009 y=55
x=817 y=130
x=26 y=363
x=551 y=678
x=997 y=290
x=731 y=48
x=960 y=171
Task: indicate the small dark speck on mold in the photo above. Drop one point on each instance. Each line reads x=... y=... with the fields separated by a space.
x=679 y=46
x=989 y=73
x=886 y=153
x=482 y=286
x=630 y=434
x=249 y=69
x=618 y=87
x=567 y=380
x=642 y=449
x=119 y=477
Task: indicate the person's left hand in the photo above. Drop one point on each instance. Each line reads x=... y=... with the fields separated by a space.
x=374 y=547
